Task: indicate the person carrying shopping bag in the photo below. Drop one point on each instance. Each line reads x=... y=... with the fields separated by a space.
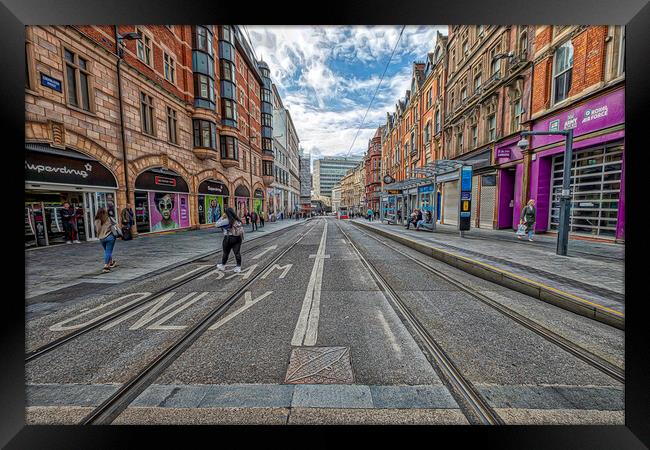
x=527 y=218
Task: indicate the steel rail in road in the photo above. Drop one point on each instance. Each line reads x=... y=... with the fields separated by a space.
x=599 y=363
x=60 y=341
x=113 y=406
x=459 y=385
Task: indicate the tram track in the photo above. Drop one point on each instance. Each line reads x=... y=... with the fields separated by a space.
x=114 y=405
x=463 y=389
x=62 y=340
x=615 y=372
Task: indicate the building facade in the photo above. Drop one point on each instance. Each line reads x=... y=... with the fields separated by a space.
x=170 y=122
x=372 y=163
x=305 y=181
x=329 y=170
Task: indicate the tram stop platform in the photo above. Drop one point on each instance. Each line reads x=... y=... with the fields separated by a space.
x=588 y=281
x=68 y=268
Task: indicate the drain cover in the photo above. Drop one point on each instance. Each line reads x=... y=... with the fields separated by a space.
x=319 y=365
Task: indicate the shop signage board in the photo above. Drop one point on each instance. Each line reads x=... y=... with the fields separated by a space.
x=503 y=152
x=50 y=168
x=596 y=114
x=153 y=181
x=428 y=188
x=465 y=206
x=213 y=187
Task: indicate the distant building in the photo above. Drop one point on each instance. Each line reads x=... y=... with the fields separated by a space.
x=329 y=170
x=305 y=181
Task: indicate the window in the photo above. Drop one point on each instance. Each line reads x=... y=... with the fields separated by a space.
x=429 y=98
x=267 y=120
x=562 y=69
x=229 y=148
x=266 y=95
x=77 y=79
x=172 y=126
x=228 y=109
x=495 y=64
x=459 y=141
x=204 y=134
x=492 y=127
x=267 y=144
x=517 y=111
x=477 y=83
x=523 y=42
x=203 y=39
x=451 y=103
x=170 y=68
x=463 y=93
x=466 y=48
x=146 y=113
x=479 y=31
x=227 y=70
x=474 y=136
x=427 y=132
x=204 y=87
x=226 y=33
x=437 y=121
x=144 y=47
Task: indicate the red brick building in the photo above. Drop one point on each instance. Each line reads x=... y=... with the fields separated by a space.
x=183 y=103
x=372 y=161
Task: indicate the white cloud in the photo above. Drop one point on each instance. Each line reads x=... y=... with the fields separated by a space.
x=327 y=105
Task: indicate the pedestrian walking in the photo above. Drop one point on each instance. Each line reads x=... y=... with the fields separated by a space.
x=247 y=217
x=127 y=222
x=69 y=219
x=254 y=218
x=370 y=215
x=233 y=237
x=262 y=219
x=104 y=227
x=527 y=217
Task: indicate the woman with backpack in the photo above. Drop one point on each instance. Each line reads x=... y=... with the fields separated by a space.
x=104 y=229
x=233 y=236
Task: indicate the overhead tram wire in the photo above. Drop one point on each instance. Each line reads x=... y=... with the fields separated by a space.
x=377 y=89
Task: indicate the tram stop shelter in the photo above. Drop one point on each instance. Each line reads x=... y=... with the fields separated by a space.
x=398 y=200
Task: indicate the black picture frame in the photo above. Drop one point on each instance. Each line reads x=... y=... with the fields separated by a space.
x=635 y=14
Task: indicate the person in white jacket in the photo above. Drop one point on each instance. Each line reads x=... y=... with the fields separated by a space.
x=233 y=236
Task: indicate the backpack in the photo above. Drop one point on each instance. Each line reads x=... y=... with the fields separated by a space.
x=237 y=229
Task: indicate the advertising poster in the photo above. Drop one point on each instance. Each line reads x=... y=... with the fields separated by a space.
x=257 y=206
x=163 y=211
x=242 y=206
x=213 y=207
x=184 y=210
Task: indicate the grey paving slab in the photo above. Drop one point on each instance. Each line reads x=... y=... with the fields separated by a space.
x=436 y=397
x=608 y=398
x=248 y=396
x=332 y=396
x=68 y=394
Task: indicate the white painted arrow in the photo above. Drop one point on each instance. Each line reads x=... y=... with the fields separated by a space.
x=259 y=255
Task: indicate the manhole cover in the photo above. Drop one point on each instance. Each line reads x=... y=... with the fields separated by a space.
x=320 y=365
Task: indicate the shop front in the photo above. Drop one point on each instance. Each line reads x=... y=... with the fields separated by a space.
x=55 y=176
x=509 y=179
x=597 y=174
x=161 y=201
x=258 y=202
x=450 y=197
x=212 y=199
x=242 y=200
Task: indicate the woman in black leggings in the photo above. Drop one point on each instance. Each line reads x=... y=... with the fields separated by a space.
x=232 y=239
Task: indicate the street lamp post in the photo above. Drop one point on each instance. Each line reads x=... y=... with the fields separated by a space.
x=565 y=197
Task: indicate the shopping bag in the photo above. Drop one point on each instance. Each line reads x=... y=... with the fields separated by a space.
x=521 y=230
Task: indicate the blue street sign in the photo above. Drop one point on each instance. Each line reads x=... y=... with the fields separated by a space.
x=465 y=195
x=51 y=83
x=466 y=179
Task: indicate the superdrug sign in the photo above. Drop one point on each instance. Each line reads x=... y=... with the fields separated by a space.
x=50 y=168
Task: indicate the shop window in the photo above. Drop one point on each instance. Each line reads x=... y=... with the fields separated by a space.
x=562 y=71
x=143 y=47
x=204 y=134
x=229 y=148
x=147 y=113
x=172 y=126
x=170 y=68
x=77 y=80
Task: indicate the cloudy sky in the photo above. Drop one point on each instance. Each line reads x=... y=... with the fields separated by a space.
x=326 y=77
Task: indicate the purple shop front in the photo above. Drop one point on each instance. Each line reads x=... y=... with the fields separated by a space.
x=596 y=123
x=509 y=183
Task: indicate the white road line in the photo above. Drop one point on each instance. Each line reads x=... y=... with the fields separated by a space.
x=306 y=331
x=191 y=271
x=268 y=249
x=248 y=302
